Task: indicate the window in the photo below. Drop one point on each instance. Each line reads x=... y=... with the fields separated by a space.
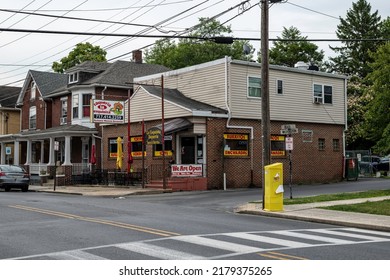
x=279 y=86
x=336 y=145
x=235 y=145
x=322 y=94
x=87 y=105
x=136 y=146
x=157 y=148
x=75 y=106
x=278 y=146
x=113 y=147
x=33 y=90
x=254 y=87
x=73 y=78
x=64 y=110
x=33 y=117
x=321 y=144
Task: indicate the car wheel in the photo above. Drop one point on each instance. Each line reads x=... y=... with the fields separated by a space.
x=7 y=189
x=25 y=189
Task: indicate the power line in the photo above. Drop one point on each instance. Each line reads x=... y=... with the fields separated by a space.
x=57 y=32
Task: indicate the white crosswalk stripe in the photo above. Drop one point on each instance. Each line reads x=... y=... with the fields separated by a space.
x=236 y=245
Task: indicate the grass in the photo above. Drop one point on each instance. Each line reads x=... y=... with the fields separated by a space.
x=378 y=207
x=337 y=196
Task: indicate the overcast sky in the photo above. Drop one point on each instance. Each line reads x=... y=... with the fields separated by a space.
x=19 y=52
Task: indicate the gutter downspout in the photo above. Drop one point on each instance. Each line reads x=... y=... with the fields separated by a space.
x=227 y=80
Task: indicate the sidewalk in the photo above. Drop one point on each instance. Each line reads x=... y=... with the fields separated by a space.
x=310 y=212
x=304 y=212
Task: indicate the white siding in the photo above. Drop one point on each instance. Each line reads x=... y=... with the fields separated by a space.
x=296 y=102
x=148 y=107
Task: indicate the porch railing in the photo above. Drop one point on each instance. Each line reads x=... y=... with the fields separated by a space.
x=38 y=168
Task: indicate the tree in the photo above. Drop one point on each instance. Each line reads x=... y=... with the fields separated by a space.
x=377 y=116
x=354 y=56
x=290 y=52
x=82 y=52
x=191 y=51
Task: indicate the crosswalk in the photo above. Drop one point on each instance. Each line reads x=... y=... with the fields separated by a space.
x=221 y=245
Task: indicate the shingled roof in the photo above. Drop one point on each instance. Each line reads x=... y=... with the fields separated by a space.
x=9 y=96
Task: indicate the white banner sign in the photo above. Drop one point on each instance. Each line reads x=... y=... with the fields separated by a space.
x=187 y=170
x=106 y=111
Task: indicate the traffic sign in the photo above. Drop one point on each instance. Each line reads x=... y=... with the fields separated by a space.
x=288 y=126
x=289 y=144
x=288 y=131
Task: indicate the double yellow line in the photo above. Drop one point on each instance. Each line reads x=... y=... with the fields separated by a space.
x=280 y=256
x=98 y=221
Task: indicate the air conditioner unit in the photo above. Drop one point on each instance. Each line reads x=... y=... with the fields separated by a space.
x=317 y=100
x=63 y=120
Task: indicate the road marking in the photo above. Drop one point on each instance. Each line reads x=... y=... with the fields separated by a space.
x=265 y=239
x=158 y=252
x=155 y=247
x=98 y=221
x=280 y=256
x=223 y=245
x=313 y=237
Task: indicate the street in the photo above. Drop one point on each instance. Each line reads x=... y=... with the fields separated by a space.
x=174 y=226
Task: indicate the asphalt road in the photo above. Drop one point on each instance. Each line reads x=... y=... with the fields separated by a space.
x=187 y=225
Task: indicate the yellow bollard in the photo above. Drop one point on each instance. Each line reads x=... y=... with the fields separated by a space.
x=273 y=196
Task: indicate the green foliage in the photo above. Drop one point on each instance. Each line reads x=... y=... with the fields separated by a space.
x=377 y=116
x=187 y=52
x=82 y=52
x=354 y=56
x=290 y=52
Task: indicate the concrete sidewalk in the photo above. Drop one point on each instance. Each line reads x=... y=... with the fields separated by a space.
x=312 y=213
x=304 y=212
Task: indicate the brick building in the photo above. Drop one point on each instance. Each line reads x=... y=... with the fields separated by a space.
x=213 y=115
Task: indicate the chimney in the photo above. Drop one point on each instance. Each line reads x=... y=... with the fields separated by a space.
x=137 y=56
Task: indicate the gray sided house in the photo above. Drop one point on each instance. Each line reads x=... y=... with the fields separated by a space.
x=213 y=115
x=56 y=134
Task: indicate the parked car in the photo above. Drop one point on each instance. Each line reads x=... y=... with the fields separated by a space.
x=14 y=177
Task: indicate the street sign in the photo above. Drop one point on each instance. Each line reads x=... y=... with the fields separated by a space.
x=288 y=131
x=288 y=126
x=289 y=144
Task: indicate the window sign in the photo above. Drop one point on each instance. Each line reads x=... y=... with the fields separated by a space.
x=278 y=146
x=113 y=147
x=235 y=145
x=136 y=146
x=157 y=149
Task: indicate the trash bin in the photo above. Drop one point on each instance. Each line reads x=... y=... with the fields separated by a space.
x=351 y=169
x=273 y=190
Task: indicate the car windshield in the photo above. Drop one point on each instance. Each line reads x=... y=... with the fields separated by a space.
x=11 y=168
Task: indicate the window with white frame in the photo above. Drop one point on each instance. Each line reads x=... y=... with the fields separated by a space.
x=279 y=86
x=73 y=78
x=64 y=110
x=87 y=105
x=254 y=87
x=33 y=90
x=322 y=94
x=75 y=106
x=33 y=117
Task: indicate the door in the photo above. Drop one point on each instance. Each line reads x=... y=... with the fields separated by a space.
x=187 y=150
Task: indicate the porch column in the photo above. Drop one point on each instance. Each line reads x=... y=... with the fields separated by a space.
x=16 y=152
x=42 y=151
x=2 y=160
x=51 y=152
x=28 y=154
x=67 y=151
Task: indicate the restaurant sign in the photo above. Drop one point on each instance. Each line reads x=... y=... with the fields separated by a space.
x=106 y=111
x=187 y=170
x=153 y=136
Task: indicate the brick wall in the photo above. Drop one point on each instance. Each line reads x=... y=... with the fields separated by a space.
x=310 y=165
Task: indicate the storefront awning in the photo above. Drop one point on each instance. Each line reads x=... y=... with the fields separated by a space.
x=175 y=125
